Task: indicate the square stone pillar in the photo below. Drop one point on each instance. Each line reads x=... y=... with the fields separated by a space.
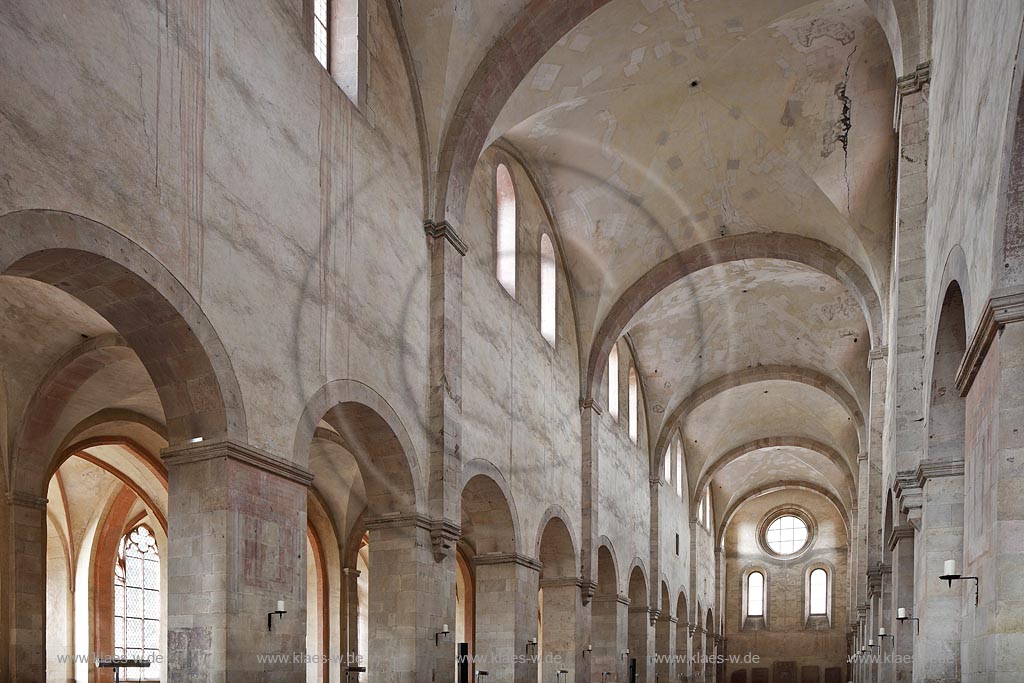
x=902 y=545
x=608 y=639
x=560 y=609
x=411 y=596
x=640 y=640
x=236 y=546
x=25 y=605
x=506 y=616
x=662 y=650
x=937 y=657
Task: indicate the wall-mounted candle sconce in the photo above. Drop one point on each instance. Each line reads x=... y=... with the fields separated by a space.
x=587 y=650
x=625 y=654
x=280 y=612
x=479 y=674
x=605 y=675
x=349 y=670
x=883 y=635
x=531 y=643
x=560 y=673
x=901 y=616
x=871 y=643
x=443 y=632
x=950 y=574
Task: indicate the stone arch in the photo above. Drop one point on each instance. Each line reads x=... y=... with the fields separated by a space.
x=556 y=545
x=761 y=373
x=530 y=34
x=662 y=633
x=946 y=416
x=773 y=245
x=489 y=520
x=36 y=456
x=145 y=303
x=638 y=623
x=747 y=496
x=605 y=611
x=811 y=445
x=607 y=568
x=369 y=428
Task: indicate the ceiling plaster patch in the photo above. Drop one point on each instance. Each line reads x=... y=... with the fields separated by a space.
x=580 y=42
x=591 y=76
x=639 y=28
x=636 y=58
x=545 y=76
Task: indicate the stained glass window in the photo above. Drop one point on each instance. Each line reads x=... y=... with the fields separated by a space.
x=137 y=603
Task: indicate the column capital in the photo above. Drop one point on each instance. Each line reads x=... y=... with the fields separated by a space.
x=26 y=500
x=899 y=533
x=878 y=353
x=563 y=582
x=915 y=80
x=211 y=449
x=507 y=558
x=1003 y=307
x=936 y=469
x=591 y=404
x=444 y=230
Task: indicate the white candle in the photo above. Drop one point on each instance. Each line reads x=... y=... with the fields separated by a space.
x=881 y=632
x=901 y=613
x=444 y=628
x=949 y=568
x=871 y=643
x=280 y=605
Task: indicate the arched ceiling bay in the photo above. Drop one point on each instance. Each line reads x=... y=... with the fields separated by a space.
x=778 y=465
x=742 y=315
x=656 y=126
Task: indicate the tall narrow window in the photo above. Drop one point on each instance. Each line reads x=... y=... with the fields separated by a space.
x=548 y=279
x=819 y=591
x=506 y=229
x=707 y=509
x=613 y=383
x=679 y=468
x=668 y=464
x=137 y=602
x=634 y=420
x=755 y=594
x=700 y=511
x=320 y=31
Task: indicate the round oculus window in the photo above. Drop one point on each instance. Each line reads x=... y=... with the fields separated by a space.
x=786 y=535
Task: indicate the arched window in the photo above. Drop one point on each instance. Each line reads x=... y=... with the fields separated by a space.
x=668 y=463
x=819 y=591
x=700 y=511
x=339 y=43
x=679 y=468
x=320 y=22
x=548 y=279
x=506 y=229
x=755 y=594
x=613 y=383
x=707 y=509
x=634 y=420
x=137 y=602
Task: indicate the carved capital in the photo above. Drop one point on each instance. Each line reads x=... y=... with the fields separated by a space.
x=1001 y=310
x=915 y=80
x=444 y=230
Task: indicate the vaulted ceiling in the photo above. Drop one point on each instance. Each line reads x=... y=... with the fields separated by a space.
x=661 y=127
